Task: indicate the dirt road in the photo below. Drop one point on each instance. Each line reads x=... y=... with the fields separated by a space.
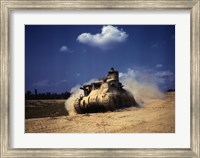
x=157 y=116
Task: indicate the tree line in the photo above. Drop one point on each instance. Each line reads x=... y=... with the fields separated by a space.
x=37 y=96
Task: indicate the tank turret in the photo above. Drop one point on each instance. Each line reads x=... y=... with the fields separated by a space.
x=106 y=94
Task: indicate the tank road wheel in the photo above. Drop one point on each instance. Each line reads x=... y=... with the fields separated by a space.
x=77 y=107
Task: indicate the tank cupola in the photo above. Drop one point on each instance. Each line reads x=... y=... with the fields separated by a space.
x=113 y=74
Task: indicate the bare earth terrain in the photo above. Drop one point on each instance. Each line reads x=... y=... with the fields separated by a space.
x=157 y=116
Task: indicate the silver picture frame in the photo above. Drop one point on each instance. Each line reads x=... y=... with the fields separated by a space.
x=6 y=8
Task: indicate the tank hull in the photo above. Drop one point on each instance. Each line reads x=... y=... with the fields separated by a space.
x=104 y=102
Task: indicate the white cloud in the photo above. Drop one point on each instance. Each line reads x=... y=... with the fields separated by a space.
x=65 y=49
x=78 y=74
x=159 y=65
x=109 y=35
x=61 y=82
x=164 y=73
x=42 y=83
x=166 y=79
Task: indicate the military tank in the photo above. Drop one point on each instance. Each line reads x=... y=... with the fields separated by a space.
x=106 y=94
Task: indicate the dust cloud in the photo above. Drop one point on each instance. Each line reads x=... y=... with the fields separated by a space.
x=142 y=85
x=75 y=93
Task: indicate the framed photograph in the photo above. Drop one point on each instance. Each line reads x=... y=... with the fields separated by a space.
x=100 y=78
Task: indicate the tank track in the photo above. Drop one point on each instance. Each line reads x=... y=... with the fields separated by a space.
x=77 y=106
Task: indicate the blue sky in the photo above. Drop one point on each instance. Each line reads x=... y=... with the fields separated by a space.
x=58 y=57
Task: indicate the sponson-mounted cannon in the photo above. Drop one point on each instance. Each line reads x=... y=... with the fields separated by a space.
x=106 y=94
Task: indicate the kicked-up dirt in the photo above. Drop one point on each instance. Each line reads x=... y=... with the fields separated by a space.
x=157 y=116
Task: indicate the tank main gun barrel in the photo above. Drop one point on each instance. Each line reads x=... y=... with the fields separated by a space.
x=82 y=88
